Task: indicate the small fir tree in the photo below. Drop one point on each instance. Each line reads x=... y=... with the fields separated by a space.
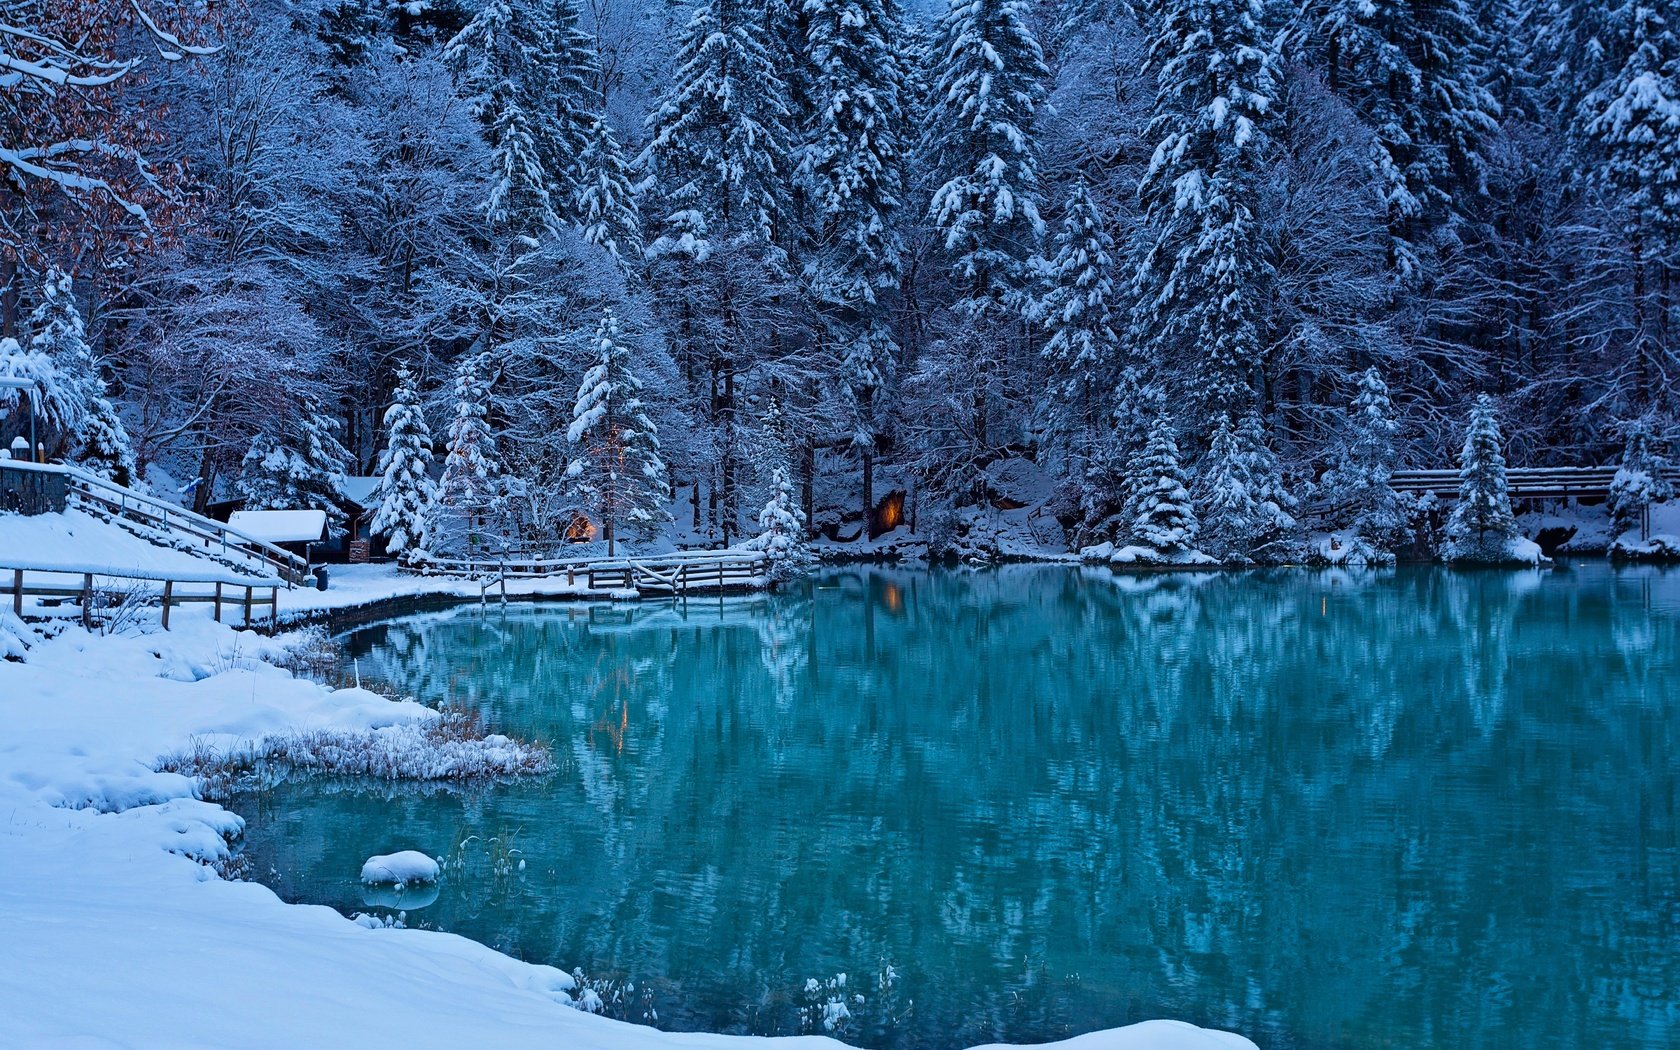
x=1233 y=516
x=296 y=464
x=1640 y=480
x=470 y=498
x=403 y=499
x=1356 y=486
x=616 y=470
x=74 y=396
x=1482 y=526
x=781 y=529
x=1158 y=504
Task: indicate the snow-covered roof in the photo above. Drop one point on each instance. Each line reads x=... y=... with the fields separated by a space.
x=359 y=490
x=280 y=526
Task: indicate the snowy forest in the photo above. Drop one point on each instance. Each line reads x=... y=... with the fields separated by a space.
x=1208 y=269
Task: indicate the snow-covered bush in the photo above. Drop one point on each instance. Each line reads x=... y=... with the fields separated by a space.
x=1640 y=479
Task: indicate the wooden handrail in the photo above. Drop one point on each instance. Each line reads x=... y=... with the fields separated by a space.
x=81 y=587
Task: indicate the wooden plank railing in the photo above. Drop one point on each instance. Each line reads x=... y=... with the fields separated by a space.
x=81 y=584
x=678 y=573
x=1523 y=482
x=102 y=496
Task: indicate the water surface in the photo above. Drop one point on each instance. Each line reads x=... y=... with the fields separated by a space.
x=1410 y=809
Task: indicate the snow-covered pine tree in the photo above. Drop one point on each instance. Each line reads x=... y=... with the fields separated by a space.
x=1233 y=519
x=1412 y=71
x=988 y=85
x=718 y=139
x=781 y=529
x=1634 y=121
x=1075 y=309
x=1356 y=486
x=296 y=463
x=1267 y=485
x=1482 y=526
x=529 y=72
x=616 y=468
x=1158 y=507
x=606 y=198
x=1640 y=480
x=469 y=506
x=75 y=398
x=851 y=163
x=1125 y=428
x=1202 y=273
x=403 y=498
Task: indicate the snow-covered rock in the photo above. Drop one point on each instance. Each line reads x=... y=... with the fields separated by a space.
x=400 y=868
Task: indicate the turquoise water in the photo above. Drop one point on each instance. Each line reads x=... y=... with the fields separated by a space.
x=1411 y=809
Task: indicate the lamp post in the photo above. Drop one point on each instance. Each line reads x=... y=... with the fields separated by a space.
x=34 y=389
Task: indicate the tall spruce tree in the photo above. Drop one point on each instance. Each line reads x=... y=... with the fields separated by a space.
x=1076 y=310
x=988 y=88
x=403 y=498
x=1202 y=271
x=616 y=469
x=1634 y=121
x=606 y=196
x=851 y=162
x=718 y=139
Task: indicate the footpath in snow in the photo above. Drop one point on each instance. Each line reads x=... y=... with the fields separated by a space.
x=119 y=931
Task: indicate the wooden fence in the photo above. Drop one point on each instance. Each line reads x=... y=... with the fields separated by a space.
x=1523 y=482
x=244 y=594
x=677 y=573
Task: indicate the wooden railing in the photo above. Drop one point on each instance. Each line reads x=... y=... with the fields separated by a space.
x=83 y=585
x=107 y=497
x=667 y=573
x=1523 y=482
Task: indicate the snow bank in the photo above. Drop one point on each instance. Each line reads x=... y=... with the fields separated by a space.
x=400 y=869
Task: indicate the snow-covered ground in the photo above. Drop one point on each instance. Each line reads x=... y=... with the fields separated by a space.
x=117 y=929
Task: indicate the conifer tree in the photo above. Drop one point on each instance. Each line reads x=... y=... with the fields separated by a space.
x=470 y=498
x=851 y=163
x=1158 y=507
x=606 y=198
x=1202 y=272
x=1640 y=480
x=404 y=496
x=74 y=396
x=296 y=463
x=1357 y=484
x=781 y=529
x=529 y=72
x=616 y=469
x=718 y=140
x=1233 y=517
x=987 y=88
x=1412 y=69
x=1482 y=525
x=1634 y=121
x=1075 y=308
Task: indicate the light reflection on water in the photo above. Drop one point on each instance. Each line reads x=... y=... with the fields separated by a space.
x=1409 y=809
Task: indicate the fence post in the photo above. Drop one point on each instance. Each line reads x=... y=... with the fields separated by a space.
x=87 y=600
x=247 y=606
x=273 y=609
x=168 y=593
x=17 y=593
x=218 y=603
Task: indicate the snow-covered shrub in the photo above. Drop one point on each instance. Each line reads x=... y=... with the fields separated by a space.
x=1640 y=479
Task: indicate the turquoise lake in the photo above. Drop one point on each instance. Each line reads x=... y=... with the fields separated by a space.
x=1415 y=808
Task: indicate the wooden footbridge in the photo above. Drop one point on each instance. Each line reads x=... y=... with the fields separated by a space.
x=672 y=575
